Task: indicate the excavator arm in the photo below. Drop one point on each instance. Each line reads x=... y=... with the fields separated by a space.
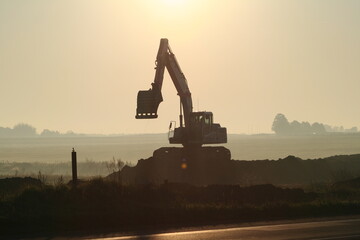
x=148 y=101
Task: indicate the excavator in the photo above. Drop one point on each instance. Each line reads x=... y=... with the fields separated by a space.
x=196 y=128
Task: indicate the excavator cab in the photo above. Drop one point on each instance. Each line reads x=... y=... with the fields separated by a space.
x=204 y=130
x=201 y=130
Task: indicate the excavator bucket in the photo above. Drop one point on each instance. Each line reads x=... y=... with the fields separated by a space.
x=147 y=104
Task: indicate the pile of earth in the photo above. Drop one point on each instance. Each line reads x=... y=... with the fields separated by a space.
x=213 y=165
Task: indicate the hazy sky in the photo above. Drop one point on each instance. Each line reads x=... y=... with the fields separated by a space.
x=78 y=65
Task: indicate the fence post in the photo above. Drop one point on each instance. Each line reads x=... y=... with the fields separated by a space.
x=74 y=167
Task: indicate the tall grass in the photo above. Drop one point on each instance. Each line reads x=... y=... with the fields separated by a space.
x=88 y=168
x=103 y=205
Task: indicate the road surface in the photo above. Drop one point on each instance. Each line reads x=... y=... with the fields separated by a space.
x=315 y=230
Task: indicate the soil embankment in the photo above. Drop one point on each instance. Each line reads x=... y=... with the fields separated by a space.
x=213 y=165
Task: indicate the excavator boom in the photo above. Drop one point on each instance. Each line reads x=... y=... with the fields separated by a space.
x=148 y=101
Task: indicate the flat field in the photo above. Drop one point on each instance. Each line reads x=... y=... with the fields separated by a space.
x=131 y=148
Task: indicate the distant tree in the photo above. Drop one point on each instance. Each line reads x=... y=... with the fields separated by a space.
x=281 y=125
x=328 y=128
x=49 y=133
x=70 y=134
x=336 y=129
x=5 y=132
x=352 y=130
x=306 y=128
x=24 y=130
x=295 y=127
x=318 y=128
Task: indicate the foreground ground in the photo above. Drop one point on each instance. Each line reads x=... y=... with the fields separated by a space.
x=100 y=206
x=314 y=229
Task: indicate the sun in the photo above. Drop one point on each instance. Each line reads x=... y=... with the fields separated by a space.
x=172 y=13
x=174 y=3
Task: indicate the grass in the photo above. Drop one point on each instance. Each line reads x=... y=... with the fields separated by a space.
x=99 y=205
x=86 y=168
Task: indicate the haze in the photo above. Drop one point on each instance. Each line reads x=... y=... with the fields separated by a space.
x=78 y=65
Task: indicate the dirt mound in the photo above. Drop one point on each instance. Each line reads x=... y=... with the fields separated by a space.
x=207 y=165
x=213 y=165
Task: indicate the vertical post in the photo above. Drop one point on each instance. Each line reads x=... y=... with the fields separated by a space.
x=181 y=116
x=74 y=166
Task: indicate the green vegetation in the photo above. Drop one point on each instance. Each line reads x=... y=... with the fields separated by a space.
x=29 y=206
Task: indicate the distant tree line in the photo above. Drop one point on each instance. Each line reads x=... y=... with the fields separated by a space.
x=282 y=126
x=26 y=130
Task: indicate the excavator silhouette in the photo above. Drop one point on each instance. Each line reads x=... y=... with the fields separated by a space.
x=196 y=128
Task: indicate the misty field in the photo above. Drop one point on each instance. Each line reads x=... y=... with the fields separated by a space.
x=51 y=155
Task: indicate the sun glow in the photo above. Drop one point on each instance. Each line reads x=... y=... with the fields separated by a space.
x=175 y=9
x=173 y=17
x=174 y=3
